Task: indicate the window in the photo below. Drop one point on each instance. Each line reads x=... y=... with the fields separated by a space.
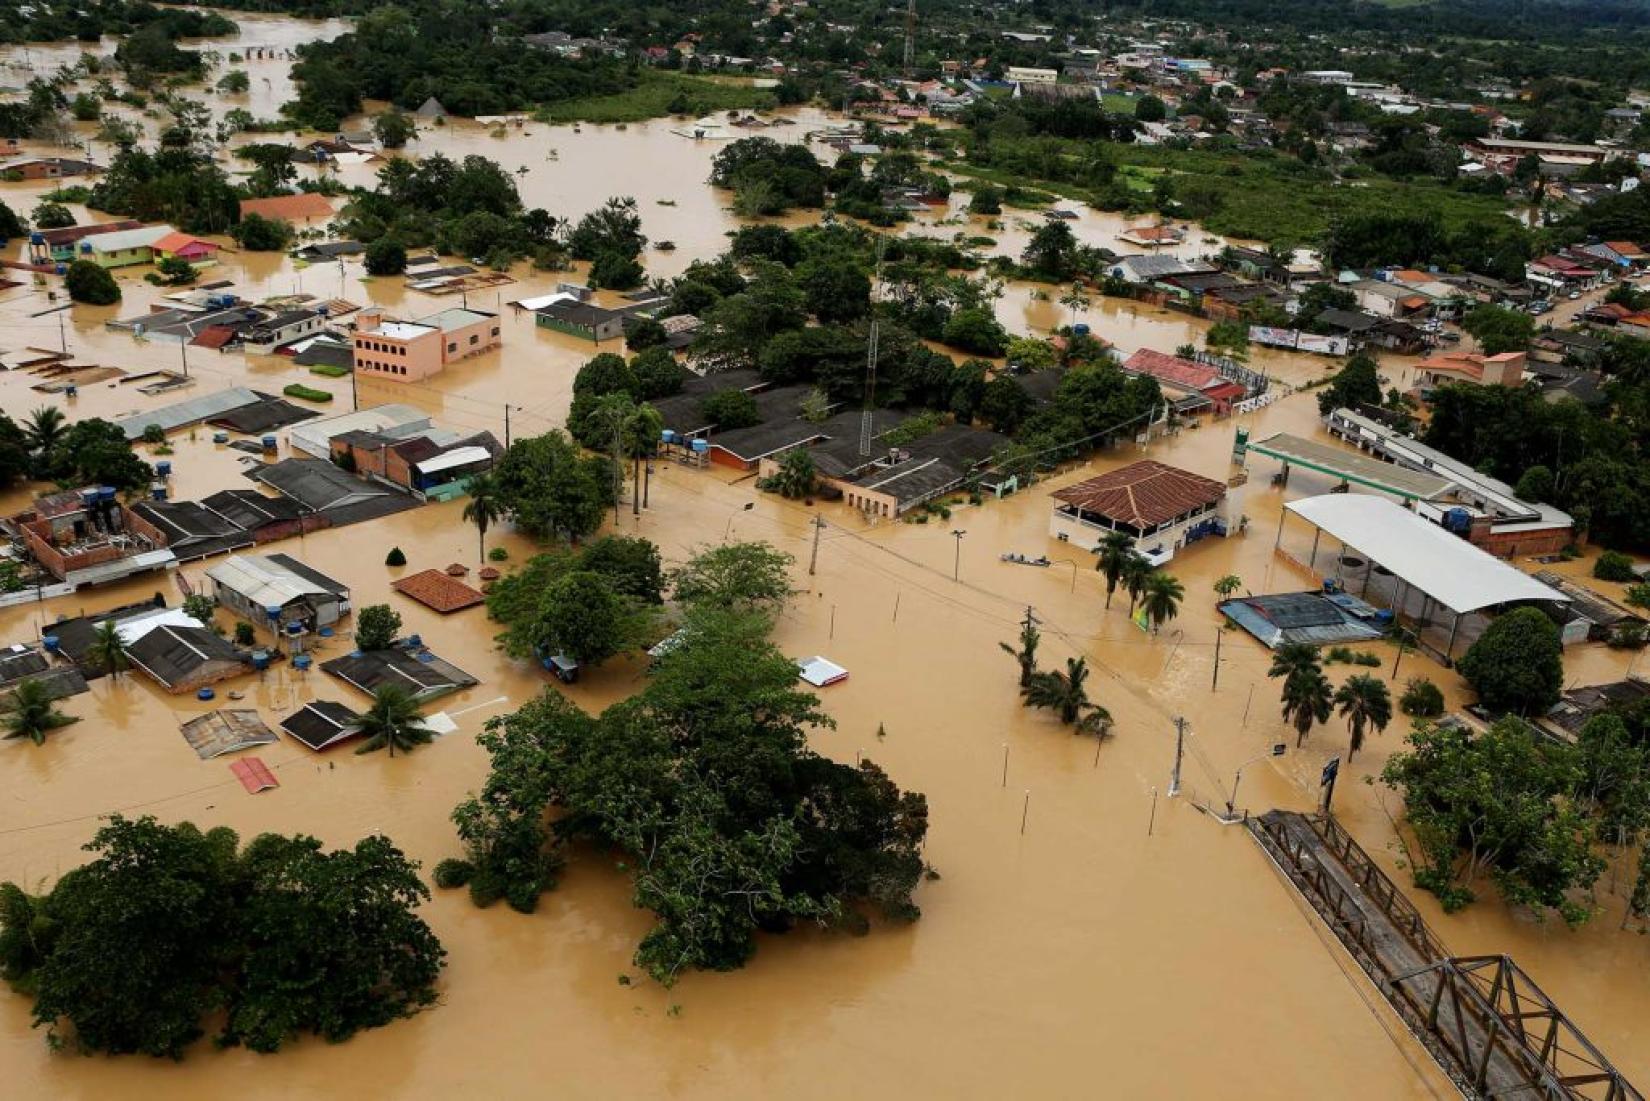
x=475 y=339
x=452 y=346
x=495 y=330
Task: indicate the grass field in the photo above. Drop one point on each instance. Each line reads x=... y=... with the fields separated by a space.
x=654 y=96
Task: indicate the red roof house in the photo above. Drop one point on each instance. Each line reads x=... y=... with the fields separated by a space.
x=1187 y=377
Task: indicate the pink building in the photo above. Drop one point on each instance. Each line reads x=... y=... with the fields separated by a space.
x=408 y=351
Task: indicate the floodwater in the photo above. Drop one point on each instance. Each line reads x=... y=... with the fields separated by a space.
x=1090 y=936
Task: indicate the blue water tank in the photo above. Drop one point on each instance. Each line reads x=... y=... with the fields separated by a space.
x=1458 y=520
x=85 y=248
x=205 y=694
x=294 y=629
x=52 y=643
x=700 y=447
x=273 y=611
x=667 y=436
x=37 y=238
x=88 y=497
x=107 y=493
x=220 y=437
x=325 y=632
x=269 y=443
x=163 y=467
x=1081 y=328
x=62 y=268
x=71 y=391
x=158 y=491
x=302 y=663
x=414 y=642
x=260 y=660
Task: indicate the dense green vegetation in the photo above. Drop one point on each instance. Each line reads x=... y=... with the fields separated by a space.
x=169 y=930
x=86 y=20
x=1595 y=464
x=655 y=93
x=1531 y=813
x=729 y=824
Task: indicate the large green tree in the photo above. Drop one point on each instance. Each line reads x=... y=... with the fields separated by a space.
x=168 y=929
x=1517 y=664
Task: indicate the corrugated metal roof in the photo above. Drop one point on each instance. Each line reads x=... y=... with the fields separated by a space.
x=263 y=582
x=189 y=411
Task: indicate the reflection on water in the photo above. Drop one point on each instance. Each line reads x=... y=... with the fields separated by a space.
x=1084 y=951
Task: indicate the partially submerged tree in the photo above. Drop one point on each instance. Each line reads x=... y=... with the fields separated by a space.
x=1307 y=696
x=1026 y=655
x=376 y=627
x=734 y=576
x=168 y=929
x=1517 y=664
x=29 y=711
x=1365 y=704
x=1066 y=694
x=393 y=722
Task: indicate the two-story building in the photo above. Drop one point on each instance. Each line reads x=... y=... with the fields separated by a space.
x=408 y=351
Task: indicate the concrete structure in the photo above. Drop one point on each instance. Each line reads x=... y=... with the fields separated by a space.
x=44 y=168
x=1516 y=149
x=60 y=245
x=185 y=247
x=408 y=351
x=1160 y=507
x=87 y=537
x=583 y=319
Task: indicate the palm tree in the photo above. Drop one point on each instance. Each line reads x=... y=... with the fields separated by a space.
x=642 y=431
x=486 y=504
x=1115 y=551
x=1160 y=597
x=1228 y=585
x=393 y=721
x=29 y=712
x=108 y=650
x=1307 y=696
x=1364 y=702
x=1026 y=655
x=1135 y=572
x=1066 y=694
x=44 y=428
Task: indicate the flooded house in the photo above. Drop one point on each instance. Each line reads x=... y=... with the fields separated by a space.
x=277 y=588
x=1160 y=507
x=409 y=351
x=171 y=647
x=87 y=537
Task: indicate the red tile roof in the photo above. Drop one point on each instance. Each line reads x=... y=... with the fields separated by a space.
x=214 y=336
x=434 y=589
x=1182 y=373
x=1143 y=494
x=289 y=208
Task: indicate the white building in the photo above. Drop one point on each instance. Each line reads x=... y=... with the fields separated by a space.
x=1020 y=74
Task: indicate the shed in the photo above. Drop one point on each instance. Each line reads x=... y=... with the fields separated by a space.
x=254 y=585
x=227 y=731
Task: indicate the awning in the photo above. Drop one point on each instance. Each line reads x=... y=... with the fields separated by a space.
x=1446 y=567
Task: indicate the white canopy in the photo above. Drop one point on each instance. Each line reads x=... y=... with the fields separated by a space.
x=1444 y=566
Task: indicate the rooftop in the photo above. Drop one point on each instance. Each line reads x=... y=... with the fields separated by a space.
x=1444 y=566
x=420 y=672
x=1143 y=494
x=436 y=590
x=322 y=723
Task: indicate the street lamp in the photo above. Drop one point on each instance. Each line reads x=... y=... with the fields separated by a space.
x=956 y=565
x=1277 y=750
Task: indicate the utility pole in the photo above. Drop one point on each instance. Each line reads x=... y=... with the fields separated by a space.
x=956 y=565
x=910 y=37
x=1215 y=684
x=813 y=559
x=183 y=349
x=62 y=335
x=1179 y=751
x=506 y=426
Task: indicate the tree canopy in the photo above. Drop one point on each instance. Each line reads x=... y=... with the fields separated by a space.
x=168 y=929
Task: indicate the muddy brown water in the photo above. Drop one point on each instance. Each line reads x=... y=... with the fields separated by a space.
x=1124 y=944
